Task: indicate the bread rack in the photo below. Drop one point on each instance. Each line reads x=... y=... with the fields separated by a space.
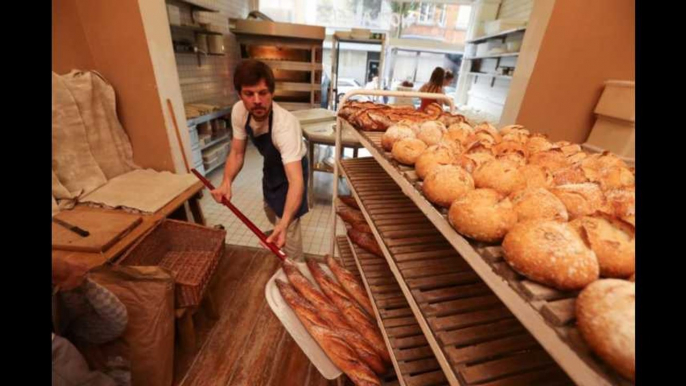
x=431 y=251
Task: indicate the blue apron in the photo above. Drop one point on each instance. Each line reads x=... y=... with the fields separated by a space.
x=274 y=180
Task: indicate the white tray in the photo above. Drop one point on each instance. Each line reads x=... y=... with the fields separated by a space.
x=293 y=325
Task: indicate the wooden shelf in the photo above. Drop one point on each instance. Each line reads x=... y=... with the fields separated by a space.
x=197 y=53
x=499 y=34
x=292 y=66
x=505 y=55
x=398 y=327
x=531 y=303
x=474 y=337
x=294 y=86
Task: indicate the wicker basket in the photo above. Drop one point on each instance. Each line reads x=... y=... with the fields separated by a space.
x=190 y=251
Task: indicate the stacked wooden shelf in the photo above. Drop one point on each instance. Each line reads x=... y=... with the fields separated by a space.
x=417 y=228
x=474 y=338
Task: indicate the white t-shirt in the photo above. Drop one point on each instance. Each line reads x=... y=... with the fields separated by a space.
x=287 y=135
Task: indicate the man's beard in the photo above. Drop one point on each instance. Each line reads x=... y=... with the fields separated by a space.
x=261 y=111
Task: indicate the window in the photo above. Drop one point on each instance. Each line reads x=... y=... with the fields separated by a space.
x=463 y=15
x=432 y=14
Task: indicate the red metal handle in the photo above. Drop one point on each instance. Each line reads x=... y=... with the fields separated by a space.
x=275 y=250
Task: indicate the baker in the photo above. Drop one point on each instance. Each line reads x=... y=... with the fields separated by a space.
x=277 y=135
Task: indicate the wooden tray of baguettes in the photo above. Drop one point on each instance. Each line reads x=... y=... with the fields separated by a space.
x=546 y=212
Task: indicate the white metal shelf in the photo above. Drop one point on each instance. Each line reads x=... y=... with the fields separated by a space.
x=498 y=35
x=505 y=55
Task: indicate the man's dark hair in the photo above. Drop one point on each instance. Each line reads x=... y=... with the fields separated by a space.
x=249 y=73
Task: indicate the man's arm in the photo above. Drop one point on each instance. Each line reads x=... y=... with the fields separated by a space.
x=296 y=189
x=234 y=164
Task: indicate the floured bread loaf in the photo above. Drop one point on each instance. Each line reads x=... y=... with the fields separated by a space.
x=446 y=183
x=406 y=151
x=515 y=133
x=431 y=132
x=553 y=159
x=471 y=162
x=551 y=253
x=501 y=175
x=606 y=317
x=538 y=204
x=613 y=242
x=394 y=134
x=482 y=214
x=432 y=157
x=580 y=199
x=536 y=176
x=538 y=143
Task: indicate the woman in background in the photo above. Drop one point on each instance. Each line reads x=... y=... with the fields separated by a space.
x=434 y=85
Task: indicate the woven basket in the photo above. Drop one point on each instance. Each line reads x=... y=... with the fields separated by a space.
x=190 y=251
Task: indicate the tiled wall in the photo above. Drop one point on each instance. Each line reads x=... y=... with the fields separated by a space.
x=212 y=82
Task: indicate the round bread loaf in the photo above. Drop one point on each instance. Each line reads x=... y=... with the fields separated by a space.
x=406 y=151
x=431 y=157
x=615 y=178
x=431 y=132
x=569 y=175
x=606 y=318
x=413 y=124
x=488 y=128
x=512 y=151
x=450 y=119
x=569 y=149
x=536 y=176
x=459 y=132
x=434 y=110
x=603 y=160
x=576 y=158
x=454 y=146
x=501 y=175
x=580 y=199
x=552 y=159
x=483 y=215
x=471 y=162
x=538 y=204
x=394 y=134
x=552 y=253
x=622 y=204
x=538 y=143
x=446 y=183
x=613 y=242
x=515 y=133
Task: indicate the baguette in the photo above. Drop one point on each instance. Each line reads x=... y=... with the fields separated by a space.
x=350 y=284
x=366 y=241
x=333 y=344
x=351 y=311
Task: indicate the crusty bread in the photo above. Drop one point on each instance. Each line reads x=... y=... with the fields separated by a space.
x=538 y=204
x=485 y=127
x=606 y=318
x=515 y=133
x=613 y=242
x=406 y=151
x=502 y=175
x=432 y=157
x=622 y=204
x=508 y=148
x=394 y=134
x=569 y=175
x=459 y=132
x=603 y=160
x=580 y=199
x=471 y=162
x=553 y=159
x=446 y=183
x=536 y=176
x=538 y=143
x=351 y=215
x=349 y=201
x=450 y=119
x=482 y=214
x=431 y=132
x=614 y=178
x=411 y=123
x=552 y=253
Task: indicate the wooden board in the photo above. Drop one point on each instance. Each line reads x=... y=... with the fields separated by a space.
x=528 y=301
x=105 y=229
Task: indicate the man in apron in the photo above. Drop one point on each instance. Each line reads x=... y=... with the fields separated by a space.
x=277 y=135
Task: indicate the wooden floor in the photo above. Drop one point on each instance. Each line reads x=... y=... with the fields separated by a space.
x=247 y=345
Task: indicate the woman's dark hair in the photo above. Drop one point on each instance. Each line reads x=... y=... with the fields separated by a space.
x=437 y=76
x=449 y=75
x=249 y=73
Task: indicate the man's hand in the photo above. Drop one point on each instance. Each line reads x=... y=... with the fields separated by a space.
x=224 y=190
x=278 y=236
